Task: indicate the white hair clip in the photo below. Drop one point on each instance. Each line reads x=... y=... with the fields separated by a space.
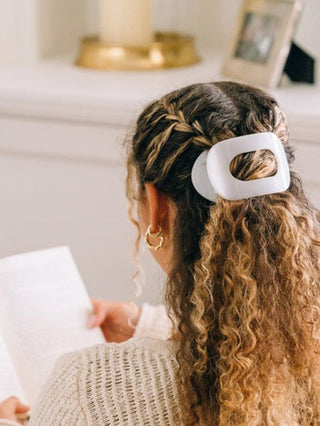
x=211 y=173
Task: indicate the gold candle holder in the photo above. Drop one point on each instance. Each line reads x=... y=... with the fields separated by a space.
x=168 y=50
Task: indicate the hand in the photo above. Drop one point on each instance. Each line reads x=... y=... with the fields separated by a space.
x=11 y=408
x=116 y=319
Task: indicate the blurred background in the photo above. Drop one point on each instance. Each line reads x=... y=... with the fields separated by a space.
x=62 y=127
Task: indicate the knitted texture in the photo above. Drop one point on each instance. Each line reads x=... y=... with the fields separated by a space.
x=129 y=383
x=153 y=322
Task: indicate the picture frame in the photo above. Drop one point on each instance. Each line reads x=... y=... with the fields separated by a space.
x=262 y=41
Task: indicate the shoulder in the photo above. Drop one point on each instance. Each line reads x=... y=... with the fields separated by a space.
x=135 y=345
x=105 y=359
x=132 y=353
x=119 y=379
x=133 y=382
x=118 y=365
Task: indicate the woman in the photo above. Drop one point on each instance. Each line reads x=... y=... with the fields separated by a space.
x=242 y=287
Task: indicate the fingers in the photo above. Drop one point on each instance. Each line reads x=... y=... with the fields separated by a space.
x=18 y=406
x=21 y=408
x=100 y=312
x=11 y=407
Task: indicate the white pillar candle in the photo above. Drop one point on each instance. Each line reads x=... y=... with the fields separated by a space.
x=126 y=21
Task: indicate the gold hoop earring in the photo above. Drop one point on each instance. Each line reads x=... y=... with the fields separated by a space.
x=154 y=235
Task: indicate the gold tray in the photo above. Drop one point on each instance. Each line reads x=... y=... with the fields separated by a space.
x=168 y=50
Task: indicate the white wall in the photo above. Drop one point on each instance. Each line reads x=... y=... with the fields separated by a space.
x=308 y=33
x=60 y=25
x=35 y=29
x=17 y=31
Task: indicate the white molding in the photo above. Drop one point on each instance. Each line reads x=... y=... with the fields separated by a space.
x=57 y=90
x=62 y=140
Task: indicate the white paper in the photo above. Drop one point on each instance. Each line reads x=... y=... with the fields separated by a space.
x=44 y=313
x=9 y=383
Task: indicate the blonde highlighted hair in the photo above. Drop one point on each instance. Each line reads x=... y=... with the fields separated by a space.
x=244 y=286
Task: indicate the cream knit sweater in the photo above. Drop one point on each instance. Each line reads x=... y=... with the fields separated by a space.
x=129 y=383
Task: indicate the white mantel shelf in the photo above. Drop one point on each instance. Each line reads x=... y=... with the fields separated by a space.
x=58 y=90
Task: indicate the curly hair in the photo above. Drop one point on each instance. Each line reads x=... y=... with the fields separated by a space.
x=243 y=290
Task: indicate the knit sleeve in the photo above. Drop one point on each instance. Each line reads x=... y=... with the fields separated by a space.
x=59 y=402
x=153 y=322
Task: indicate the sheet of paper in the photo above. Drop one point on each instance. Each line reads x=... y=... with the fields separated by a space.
x=44 y=313
x=9 y=383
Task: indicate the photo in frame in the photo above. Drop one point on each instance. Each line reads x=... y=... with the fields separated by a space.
x=262 y=41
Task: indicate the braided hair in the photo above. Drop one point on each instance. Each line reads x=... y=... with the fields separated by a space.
x=244 y=285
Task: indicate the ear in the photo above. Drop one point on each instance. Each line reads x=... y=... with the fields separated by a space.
x=159 y=208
